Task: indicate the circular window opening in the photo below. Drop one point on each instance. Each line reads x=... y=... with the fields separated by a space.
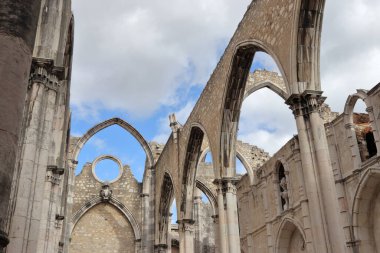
x=107 y=170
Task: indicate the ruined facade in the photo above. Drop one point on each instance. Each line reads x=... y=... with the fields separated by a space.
x=318 y=193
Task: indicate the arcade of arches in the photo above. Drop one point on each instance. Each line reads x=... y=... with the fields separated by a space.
x=320 y=192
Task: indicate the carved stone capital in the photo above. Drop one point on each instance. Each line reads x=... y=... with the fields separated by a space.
x=44 y=72
x=55 y=170
x=369 y=109
x=186 y=225
x=306 y=103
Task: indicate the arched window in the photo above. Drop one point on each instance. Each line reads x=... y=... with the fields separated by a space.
x=282 y=185
x=363 y=131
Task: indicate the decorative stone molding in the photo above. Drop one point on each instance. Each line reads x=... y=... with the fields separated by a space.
x=44 y=72
x=186 y=225
x=306 y=103
x=53 y=174
x=55 y=170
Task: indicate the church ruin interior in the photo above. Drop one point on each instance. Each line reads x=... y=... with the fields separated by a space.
x=320 y=192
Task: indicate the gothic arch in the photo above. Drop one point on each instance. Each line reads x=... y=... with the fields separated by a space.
x=210 y=195
x=113 y=201
x=290 y=232
x=166 y=198
x=191 y=158
x=349 y=124
x=233 y=99
x=266 y=84
x=363 y=211
x=123 y=124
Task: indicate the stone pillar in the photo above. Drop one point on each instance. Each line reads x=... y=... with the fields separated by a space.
x=37 y=178
x=215 y=219
x=197 y=217
x=319 y=180
x=325 y=172
x=169 y=237
x=18 y=23
x=223 y=239
x=232 y=215
x=186 y=231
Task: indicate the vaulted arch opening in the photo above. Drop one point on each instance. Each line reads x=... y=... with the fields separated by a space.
x=366 y=207
x=290 y=239
x=115 y=137
x=103 y=227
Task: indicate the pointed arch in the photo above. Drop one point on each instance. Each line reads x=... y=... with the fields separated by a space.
x=209 y=194
x=234 y=95
x=288 y=230
x=166 y=198
x=266 y=84
x=362 y=210
x=193 y=152
x=123 y=124
x=113 y=201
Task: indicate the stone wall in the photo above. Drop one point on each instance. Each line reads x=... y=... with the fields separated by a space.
x=103 y=228
x=90 y=206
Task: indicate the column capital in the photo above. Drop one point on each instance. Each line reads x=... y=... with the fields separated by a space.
x=305 y=103
x=226 y=184
x=45 y=72
x=369 y=109
x=186 y=225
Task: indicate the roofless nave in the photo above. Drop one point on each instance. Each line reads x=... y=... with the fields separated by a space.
x=318 y=193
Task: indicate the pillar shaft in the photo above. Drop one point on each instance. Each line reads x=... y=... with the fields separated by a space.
x=223 y=239
x=317 y=170
x=18 y=23
x=232 y=217
x=186 y=230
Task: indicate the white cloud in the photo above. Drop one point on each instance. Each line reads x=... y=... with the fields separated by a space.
x=350 y=51
x=266 y=121
x=133 y=55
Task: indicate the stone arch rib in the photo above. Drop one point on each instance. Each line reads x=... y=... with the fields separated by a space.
x=113 y=201
x=193 y=152
x=368 y=187
x=123 y=124
x=287 y=227
x=210 y=195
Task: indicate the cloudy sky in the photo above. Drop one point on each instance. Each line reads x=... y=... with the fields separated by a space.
x=143 y=59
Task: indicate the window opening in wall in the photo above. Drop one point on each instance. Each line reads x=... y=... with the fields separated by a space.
x=107 y=170
x=283 y=186
x=364 y=133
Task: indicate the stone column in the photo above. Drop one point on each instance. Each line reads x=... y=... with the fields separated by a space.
x=325 y=172
x=319 y=180
x=18 y=23
x=186 y=229
x=198 y=232
x=169 y=237
x=232 y=215
x=215 y=219
x=223 y=239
